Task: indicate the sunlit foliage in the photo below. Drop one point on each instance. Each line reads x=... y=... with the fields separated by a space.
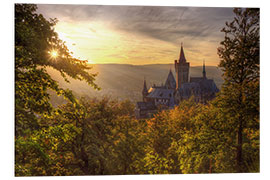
x=102 y=137
x=34 y=37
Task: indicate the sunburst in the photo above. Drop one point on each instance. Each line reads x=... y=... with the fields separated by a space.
x=54 y=54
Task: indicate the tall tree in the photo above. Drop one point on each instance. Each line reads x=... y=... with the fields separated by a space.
x=239 y=53
x=37 y=47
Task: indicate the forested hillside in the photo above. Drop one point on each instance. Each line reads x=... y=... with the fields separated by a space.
x=122 y=81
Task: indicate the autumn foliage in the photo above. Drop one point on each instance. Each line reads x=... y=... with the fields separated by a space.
x=87 y=136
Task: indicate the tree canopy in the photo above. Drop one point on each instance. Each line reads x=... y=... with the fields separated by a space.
x=87 y=136
x=35 y=40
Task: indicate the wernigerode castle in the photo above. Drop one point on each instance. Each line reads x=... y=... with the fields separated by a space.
x=173 y=92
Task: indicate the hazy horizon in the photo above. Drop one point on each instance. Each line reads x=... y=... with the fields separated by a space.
x=148 y=64
x=125 y=81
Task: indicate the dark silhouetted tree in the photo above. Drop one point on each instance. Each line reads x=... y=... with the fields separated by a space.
x=239 y=98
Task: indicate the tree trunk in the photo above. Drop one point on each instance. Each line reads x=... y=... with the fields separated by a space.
x=84 y=156
x=101 y=168
x=210 y=165
x=239 y=145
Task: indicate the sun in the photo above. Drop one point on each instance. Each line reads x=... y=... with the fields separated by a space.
x=54 y=54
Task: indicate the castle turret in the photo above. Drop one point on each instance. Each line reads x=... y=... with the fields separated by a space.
x=204 y=72
x=181 y=69
x=144 y=91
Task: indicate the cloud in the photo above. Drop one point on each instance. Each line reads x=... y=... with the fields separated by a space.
x=142 y=32
x=92 y=30
x=169 y=24
x=175 y=24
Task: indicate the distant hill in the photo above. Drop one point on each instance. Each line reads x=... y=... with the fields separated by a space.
x=124 y=81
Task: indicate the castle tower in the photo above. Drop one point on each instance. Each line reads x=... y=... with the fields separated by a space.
x=204 y=72
x=144 y=91
x=181 y=69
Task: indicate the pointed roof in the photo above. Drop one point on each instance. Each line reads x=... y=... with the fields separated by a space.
x=170 y=82
x=182 y=55
x=162 y=93
x=204 y=72
x=144 y=86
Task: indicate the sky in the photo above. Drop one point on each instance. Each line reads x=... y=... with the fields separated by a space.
x=140 y=34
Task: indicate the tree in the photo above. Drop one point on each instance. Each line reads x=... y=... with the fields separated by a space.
x=169 y=132
x=47 y=152
x=35 y=43
x=239 y=98
x=108 y=140
x=40 y=149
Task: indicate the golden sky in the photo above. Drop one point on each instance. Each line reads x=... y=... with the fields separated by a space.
x=140 y=34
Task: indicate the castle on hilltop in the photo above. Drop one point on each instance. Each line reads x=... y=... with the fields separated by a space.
x=174 y=91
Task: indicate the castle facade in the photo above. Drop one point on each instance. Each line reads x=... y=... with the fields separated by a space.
x=173 y=92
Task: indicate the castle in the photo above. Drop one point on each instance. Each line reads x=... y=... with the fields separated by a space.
x=174 y=91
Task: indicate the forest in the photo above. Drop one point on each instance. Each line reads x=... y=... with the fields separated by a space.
x=89 y=136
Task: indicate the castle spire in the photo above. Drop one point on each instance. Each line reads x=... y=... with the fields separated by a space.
x=204 y=72
x=182 y=55
x=144 y=91
x=144 y=85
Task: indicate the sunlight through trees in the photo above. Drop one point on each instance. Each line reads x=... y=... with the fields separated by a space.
x=88 y=136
